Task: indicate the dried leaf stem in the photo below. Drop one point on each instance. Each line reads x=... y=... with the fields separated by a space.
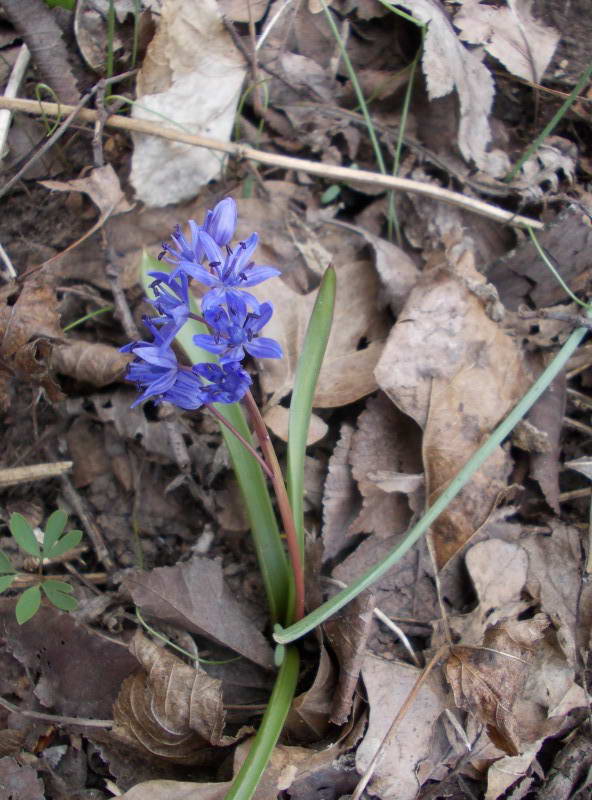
x=287 y=162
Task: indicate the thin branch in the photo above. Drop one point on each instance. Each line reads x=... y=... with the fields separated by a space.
x=286 y=162
x=57 y=718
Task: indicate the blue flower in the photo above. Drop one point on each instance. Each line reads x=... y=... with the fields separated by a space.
x=228 y=383
x=172 y=301
x=236 y=330
x=231 y=272
x=157 y=374
x=219 y=225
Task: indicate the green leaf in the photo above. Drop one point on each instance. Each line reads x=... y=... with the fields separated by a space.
x=60 y=594
x=69 y=5
x=23 y=535
x=5 y=582
x=330 y=194
x=28 y=604
x=266 y=536
x=305 y=381
x=5 y=564
x=54 y=528
x=67 y=542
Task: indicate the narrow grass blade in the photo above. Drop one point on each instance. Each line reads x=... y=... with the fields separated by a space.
x=250 y=773
x=329 y=608
x=307 y=373
x=266 y=536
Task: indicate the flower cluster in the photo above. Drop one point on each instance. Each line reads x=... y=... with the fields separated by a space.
x=233 y=315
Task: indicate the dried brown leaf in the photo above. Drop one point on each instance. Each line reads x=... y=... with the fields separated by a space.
x=89 y=362
x=87 y=448
x=522 y=43
x=346 y=374
x=487 y=681
x=308 y=718
x=448 y=65
x=340 y=500
x=348 y=632
x=170 y=710
x=66 y=653
x=554 y=575
x=28 y=326
x=413 y=742
x=457 y=373
x=19 y=781
x=385 y=439
x=102 y=186
x=277 y=420
x=195 y=597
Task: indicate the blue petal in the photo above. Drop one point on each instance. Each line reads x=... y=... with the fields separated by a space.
x=209 y=343
x=262 y=347
x=220 y=223
x=257 y=274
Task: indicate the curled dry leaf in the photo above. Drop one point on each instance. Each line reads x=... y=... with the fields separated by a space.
x=457 y=373
x=170 y=710
x=488 y=680
x=89 y=362
x=28 y=327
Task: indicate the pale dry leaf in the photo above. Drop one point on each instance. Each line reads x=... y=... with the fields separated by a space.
x=488 y=680
x=19 y=780
x=547 y=416
x=239 y=11
x=457 y=373
x=507 y=771
x=192 y=76
x=170 y=709
x=554 y=575
x=582 y=465
x=340 y=499
x=448 y=65
x=523 y=44
x=194 y=596
x=388 y=685
x=385 y=439
x=277 y=420
x=94 y=363
x=101 y=185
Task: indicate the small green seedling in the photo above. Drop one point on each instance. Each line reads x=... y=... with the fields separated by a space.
x=55 y=543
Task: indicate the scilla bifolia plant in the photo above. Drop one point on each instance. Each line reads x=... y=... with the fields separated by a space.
x=228 y=328
x=54 y=543
x=216 y=339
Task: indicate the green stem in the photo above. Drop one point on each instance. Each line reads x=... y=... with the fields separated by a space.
x=283 y=502
x=341 y=599
x=249 y=775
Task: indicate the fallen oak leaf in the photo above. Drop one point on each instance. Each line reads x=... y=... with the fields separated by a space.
x=488 y=680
